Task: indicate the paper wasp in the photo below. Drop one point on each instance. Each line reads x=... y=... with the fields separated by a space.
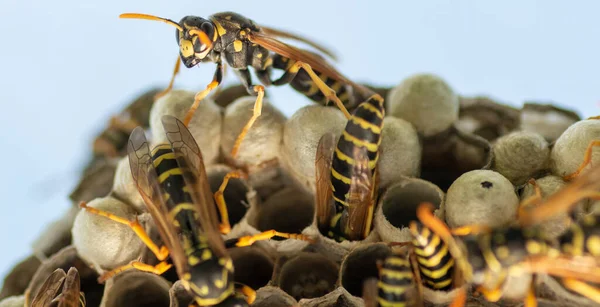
x=346 y=177
x=69 y=295
x=241 y=43
x=172 y=181
x=399 y=284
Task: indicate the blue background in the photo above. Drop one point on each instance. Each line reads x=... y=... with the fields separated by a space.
x=68 y=65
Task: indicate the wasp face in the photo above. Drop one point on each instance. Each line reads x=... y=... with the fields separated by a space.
x=197 y=32
x=211 y=281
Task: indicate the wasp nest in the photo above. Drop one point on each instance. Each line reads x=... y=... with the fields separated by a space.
x=468 y=156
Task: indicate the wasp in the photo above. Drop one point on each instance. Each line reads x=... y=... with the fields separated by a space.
x=346 y=175
x=69 y=296
x=399 y=285
x=172 y=180
x=241 y=43
x=486 y=258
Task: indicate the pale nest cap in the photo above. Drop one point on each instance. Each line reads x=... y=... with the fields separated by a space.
x=519 y=155
x=481 y=197
x=569 y=149
x=426 y=101
x=400 y=151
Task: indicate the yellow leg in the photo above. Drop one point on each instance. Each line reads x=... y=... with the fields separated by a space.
x=199 y=96
x=460 y=299
x=587 y=158
x=582 y=288
x=491 y=295
x=256 y=113
x=328 y=92
x=225 y=227
x=533 y=199
x=247 y=291
x=530 y=300
x=157 y=269
x=249 y=240
x=170 y=87
x=470 y=230
x=161 y=253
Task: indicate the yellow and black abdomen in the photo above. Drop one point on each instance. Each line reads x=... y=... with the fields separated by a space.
x=362 y=130
x=303 y=84
x=396 y=282
x=435 y=262
x=582 y=238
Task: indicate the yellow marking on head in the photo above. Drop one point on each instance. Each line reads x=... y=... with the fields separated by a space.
x=165 y=175
x=593 y=245
x=502 y=252
x=193 y=260
x=238 y=45
x=219 y=284
x=358 y=142
x=186 y=47
x=168 y=156
x=242 y=32
x=260 y=55
x=365 y=124
x=206 y=254
x=220 y=28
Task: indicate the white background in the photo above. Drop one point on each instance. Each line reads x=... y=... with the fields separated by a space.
x=66 y=66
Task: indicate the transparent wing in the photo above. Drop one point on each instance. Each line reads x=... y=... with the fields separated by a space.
x=144 y=175
x=324 y=205
x=49 y=289
x=70 y=290
x=189 y=158
x=359 y=199
x=285 y=34
x=584 y=186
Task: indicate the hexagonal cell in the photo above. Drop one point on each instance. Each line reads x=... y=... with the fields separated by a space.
x=253 y=265
x=306 y=275
x=136 y=288
x=361 y=264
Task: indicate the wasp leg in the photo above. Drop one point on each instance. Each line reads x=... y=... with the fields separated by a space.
x=247 y=291
x=161 y=253
x=470 y=230
x=225 y=227
x=529 y=201
x=266 y=235
x=491 y=295
x=530 y=300
x=255 y=114
x=587 y=159
x=591 y=292
x=460 y=299
x=217 y=78
x=170 y=87
x=156 y=269
x=327 y=91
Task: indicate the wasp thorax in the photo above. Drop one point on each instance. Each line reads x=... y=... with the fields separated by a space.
x=195 y=41
x=481 y=197
x=398 y=206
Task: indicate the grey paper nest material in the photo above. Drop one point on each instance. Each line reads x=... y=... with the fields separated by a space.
x=481 y=152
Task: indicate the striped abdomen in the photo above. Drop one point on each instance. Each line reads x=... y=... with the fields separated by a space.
x=304 y=84
x=582 y=238
x=436 y=264
x=363 y=129
x=182 y=210
x=396 y=287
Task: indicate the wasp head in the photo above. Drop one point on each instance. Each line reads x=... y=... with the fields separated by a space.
x=196 y=40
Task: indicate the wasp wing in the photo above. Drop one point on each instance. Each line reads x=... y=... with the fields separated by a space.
x=584 y=268
x=285 y=34
x=70 y=296
x=49 y=288
x=584 y=186
x=189 y=158
x=324 y=205
x=360 y=196
x=146 y=179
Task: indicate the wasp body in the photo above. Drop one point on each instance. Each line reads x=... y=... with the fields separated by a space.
x=434 y=261
x=345 y=201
